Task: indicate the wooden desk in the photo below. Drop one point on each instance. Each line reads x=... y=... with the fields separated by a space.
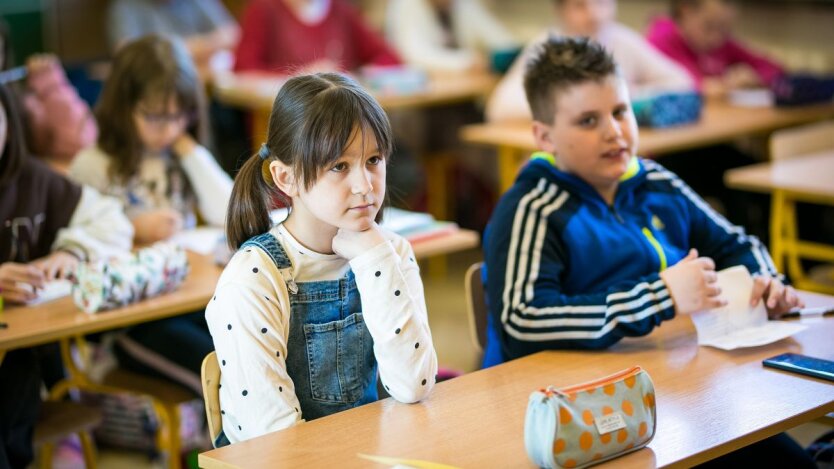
x=446 y=244
x=808 y=178
x=48 y=322
x=720 y=123
x=256 y=92
x=709 y=402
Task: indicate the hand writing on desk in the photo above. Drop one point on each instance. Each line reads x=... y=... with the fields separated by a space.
x=19 y=281
x=57 y=265
x=779 y=298
x=693 y=284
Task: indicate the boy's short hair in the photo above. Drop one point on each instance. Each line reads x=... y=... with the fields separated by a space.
x=561 y=62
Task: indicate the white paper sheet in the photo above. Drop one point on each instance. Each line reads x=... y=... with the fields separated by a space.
x=52 y=291
x=202 y=240
x=738 y=325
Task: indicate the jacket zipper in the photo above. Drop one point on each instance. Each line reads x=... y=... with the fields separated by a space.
x=657 y=247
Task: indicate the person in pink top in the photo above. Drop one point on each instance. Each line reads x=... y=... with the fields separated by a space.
x=288 y=36
x=698 y=36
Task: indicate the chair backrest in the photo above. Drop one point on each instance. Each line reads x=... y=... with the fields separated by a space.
x=210 y=376
x=802 y=140
x=476 y=307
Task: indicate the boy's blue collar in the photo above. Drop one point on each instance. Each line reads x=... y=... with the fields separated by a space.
x=632 y=170
x=630 y=179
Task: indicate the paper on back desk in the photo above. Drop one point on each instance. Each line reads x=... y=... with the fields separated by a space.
x=202 y=240
x=738 y=325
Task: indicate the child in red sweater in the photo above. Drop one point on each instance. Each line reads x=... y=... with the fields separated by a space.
x=288 y=36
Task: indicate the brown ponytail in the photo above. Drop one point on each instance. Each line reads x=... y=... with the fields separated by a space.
x=248 y=213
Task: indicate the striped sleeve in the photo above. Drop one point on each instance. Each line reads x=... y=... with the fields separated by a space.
x=526 y=261
x=713 y=235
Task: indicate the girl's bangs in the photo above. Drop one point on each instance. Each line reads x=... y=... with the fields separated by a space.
x=330 y=133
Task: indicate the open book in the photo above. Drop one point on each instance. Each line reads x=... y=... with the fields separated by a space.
x=738 y=324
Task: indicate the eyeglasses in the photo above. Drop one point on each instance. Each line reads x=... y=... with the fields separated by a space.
x=160 y=120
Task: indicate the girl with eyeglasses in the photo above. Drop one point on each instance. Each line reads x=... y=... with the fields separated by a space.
x=151 y=155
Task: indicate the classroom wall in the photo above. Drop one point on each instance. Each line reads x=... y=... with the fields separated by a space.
x=803 y=39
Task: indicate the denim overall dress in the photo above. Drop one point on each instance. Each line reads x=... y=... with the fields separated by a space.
x=330 y=352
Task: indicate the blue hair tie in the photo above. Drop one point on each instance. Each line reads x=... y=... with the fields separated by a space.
x=263 y=153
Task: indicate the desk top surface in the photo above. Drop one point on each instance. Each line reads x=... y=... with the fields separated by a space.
x=257 y=91
x=48 y=322
x=720 y=122
x=709 y=403
x=807 y=174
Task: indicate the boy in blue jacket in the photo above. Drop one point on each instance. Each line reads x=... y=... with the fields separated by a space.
x=593 y=244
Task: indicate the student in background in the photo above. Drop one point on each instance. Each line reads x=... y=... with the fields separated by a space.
x=307 y=310
x=205 y=26
x=289 y=36
x=445 y=35
x=564 y=268
x=698 y=36
x=643 y=68
x=47 y=226
x=593 y=244
x=58 y=122
x=149 y=155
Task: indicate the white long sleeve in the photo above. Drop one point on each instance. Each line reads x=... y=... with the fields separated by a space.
x=645 y=70
x=257 y=395
x=211 y=184
x=413 y=29
x=394 y=309
x=98 y=227
x=508 y=100
x=249 y=323
x=89 y=167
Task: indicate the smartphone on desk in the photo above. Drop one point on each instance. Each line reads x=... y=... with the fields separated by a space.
x=802 y=364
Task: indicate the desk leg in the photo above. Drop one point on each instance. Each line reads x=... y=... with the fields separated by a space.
x=790 y=243
x=777 y=229
x=260 y=123
x=2 y=356
x=437 y=199
x=509 y=161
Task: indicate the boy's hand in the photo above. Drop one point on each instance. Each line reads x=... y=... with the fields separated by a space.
x=692 y=283
x=19 y=281
x=349 y=244
x=57 y=265
x=156 y=225
x=779 y=298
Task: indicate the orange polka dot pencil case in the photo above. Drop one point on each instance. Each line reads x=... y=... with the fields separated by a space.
x=585 y=424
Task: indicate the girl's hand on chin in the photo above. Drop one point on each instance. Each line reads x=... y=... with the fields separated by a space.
x=349 y=244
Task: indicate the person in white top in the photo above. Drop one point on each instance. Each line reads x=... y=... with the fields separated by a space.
x=445 y=35
x=307 y=312
x=645 y=69
x=152 y=119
